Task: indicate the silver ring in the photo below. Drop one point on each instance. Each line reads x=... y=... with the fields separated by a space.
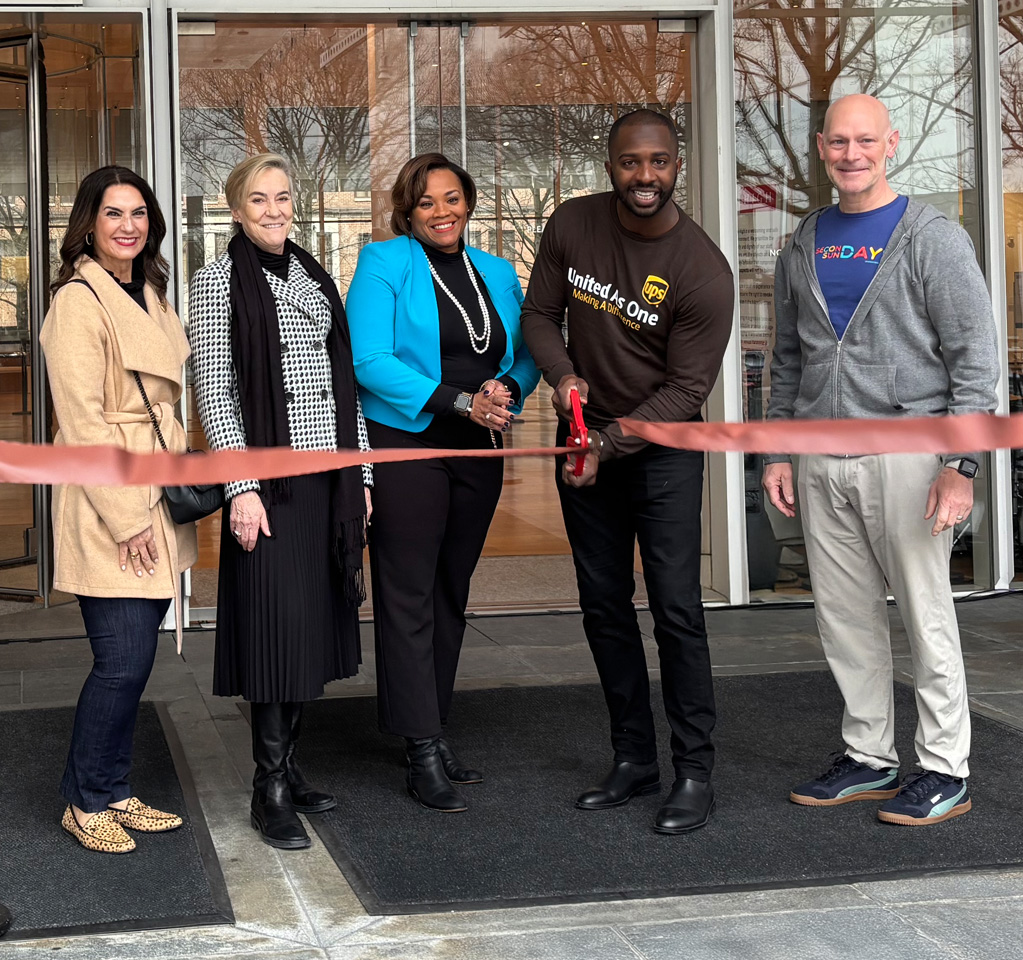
x=487 y=417
x=237 y=533
x=959 y=518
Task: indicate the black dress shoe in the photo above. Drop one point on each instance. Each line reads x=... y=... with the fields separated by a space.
x=623 y=782
x=5 y=919
x=457 y=771
x=688 y=807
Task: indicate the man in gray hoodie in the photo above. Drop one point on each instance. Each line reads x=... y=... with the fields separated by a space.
x=882 y=311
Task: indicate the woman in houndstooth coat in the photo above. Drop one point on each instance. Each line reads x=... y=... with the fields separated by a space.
x=272 y=366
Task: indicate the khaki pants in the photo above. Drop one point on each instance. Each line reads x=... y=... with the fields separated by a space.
x=863 y=524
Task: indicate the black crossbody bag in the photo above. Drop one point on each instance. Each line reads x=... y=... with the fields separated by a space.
x=185 y=503
x=189 y=503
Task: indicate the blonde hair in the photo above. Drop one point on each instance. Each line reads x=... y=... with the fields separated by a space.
x=237 y=187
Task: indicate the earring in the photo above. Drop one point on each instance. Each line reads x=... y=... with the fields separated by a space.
x=88 y=239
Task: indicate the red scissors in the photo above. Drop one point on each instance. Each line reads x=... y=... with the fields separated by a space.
x=579 y=431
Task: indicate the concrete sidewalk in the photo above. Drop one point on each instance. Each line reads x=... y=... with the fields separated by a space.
x=298 y=905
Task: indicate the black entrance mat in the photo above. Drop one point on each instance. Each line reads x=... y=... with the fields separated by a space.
x=53 y=886
x=523 y=842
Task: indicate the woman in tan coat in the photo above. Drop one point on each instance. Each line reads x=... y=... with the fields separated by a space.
x=116 y=548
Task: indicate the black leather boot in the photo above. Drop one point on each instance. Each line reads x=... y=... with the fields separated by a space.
x=427 y=782
x=304 y=797
x=273 y=814
x=688 y=807
x=623 y=781
x=457 y=771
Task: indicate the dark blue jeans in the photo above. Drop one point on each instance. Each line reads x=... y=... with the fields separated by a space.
x=123 y=635
x=653 y=497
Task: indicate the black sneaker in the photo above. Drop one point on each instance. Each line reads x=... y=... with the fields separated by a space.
x=926 y=798
x=844 y=781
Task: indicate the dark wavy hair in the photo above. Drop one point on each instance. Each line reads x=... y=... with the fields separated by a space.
x=82 y=222
x=410 y=186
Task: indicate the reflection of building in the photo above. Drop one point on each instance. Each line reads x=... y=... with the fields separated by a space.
x=524 y=100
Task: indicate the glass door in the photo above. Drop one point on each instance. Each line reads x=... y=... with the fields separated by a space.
x=69 y=102
x=22 y=217
x=525 y=107
x=538 y=100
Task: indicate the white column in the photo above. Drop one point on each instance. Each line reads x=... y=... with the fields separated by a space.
x=989 y=147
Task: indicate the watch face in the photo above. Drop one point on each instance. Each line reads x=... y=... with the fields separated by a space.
x=968 y=468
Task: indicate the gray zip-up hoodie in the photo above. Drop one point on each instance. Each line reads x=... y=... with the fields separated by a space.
x=922 y=341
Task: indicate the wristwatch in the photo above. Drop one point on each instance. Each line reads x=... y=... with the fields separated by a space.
x=463 y=404
x=968 y=468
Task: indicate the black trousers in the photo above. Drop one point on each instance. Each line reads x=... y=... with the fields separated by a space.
x=430 y=521
x=654 y=496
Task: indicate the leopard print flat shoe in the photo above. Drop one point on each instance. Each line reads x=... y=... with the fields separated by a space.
x=102 y=834
x=140 y=816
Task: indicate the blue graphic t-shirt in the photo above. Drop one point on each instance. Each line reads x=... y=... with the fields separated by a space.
x=847 y=250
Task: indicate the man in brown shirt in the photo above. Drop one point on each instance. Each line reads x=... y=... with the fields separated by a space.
x=649 y=302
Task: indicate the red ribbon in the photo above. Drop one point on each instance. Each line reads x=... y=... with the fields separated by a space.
x=107 y=465
x=114 y=466
x=969 y=432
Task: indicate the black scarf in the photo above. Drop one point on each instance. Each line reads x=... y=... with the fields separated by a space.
x=256 y=350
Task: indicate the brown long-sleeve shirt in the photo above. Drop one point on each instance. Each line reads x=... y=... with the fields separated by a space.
x=648 y=319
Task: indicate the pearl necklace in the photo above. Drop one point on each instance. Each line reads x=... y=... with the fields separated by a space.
x=474 y=337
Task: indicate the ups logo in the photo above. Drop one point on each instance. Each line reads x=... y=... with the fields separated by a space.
x=655 y=290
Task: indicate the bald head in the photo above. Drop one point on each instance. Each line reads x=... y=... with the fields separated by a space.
x=859 y=107
x=855 y=145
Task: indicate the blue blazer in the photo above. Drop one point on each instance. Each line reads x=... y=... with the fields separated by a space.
x=395 y=327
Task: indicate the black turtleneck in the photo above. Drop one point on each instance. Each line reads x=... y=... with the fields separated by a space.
x=462 y=369
x=275 y=263
x=135 y=287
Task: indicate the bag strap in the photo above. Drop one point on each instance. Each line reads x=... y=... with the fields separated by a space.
x=138 y=379
x=149 y=409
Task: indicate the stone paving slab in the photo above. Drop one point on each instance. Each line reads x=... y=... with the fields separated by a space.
x=593 y=943
x=985 y=930
x=980 y=885
x=820 y=935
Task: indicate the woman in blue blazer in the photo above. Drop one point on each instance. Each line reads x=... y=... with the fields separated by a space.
x=440 y=362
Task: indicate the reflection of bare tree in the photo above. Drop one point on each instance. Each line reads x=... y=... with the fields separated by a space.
x=316 y=116
x=791 y=61
x=14 y=247
x=560 y=87
x=539 y=103
x=1010 y=61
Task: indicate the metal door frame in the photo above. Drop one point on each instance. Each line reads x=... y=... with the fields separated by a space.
x=38 y=288
x=712 y=178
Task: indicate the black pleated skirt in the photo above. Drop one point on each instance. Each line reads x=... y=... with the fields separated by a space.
x=283 y=627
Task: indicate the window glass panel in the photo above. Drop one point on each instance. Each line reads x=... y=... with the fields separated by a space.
x=347 y=104
x=1010 y=45
x=791 y=61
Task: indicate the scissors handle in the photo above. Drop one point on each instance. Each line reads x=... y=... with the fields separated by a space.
x=579 y=432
